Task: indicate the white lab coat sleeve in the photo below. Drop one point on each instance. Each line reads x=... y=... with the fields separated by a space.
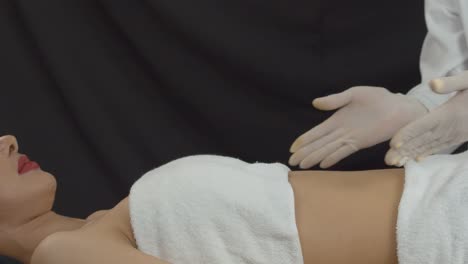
x=445 y=50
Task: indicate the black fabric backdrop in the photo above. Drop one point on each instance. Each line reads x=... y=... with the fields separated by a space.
x=101 y=91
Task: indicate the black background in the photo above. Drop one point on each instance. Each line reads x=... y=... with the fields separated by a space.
x=98 y=92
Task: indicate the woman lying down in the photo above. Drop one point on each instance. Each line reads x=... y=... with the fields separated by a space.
x=212 y=209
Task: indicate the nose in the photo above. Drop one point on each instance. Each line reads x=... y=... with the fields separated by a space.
x=8 y=145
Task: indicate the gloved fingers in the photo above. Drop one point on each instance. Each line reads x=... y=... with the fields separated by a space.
x=397 y=158
x=334 y=101
x=423 y=156
x=392 y=157
x=450 y=84
x=432 y=151
x=337 y=156
x=413 y=130
x=303 y=152
x=418 y=145
x=317 y=156
x=437 y=145
x=432 y=147
x=312 y=135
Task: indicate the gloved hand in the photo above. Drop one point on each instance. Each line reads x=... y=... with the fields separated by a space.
x=445 y=127
x=366 y=116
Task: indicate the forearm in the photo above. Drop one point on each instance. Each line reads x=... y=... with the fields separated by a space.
x=444 y=51
x=348 y=217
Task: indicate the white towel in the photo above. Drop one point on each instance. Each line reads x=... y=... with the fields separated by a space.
x=433 y=216
x=212 y=209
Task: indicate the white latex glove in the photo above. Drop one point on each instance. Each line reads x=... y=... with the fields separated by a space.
x=366 y=116
x=444 y=127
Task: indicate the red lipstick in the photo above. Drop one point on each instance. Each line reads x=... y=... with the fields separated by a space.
x=25 y=165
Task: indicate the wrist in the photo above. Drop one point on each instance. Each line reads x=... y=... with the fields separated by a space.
x=411 y=108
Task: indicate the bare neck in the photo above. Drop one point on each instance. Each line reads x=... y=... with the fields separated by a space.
x=21 y=241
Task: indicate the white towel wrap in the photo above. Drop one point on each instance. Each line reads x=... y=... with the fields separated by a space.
x=212 y=209
x=433 y=216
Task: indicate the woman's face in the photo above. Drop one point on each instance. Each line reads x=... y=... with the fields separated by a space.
x=26 y=191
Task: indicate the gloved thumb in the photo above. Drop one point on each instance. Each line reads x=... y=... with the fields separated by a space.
x=334 y=101
x=450 y=84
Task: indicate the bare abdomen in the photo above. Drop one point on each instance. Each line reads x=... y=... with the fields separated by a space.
x=347 y=217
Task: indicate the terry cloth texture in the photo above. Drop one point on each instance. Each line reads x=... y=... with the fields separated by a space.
x=213 y=209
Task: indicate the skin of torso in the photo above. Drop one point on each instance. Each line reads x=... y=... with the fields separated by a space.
x=347 y=217
x=342 y=217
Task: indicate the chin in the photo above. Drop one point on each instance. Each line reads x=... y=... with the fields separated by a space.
x=51 y=188
x=43 y=188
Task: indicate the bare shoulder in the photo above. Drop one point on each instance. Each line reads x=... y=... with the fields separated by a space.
x=104 y=227
x=106 y=239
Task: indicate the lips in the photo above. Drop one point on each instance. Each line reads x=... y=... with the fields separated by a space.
x=25 y=165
